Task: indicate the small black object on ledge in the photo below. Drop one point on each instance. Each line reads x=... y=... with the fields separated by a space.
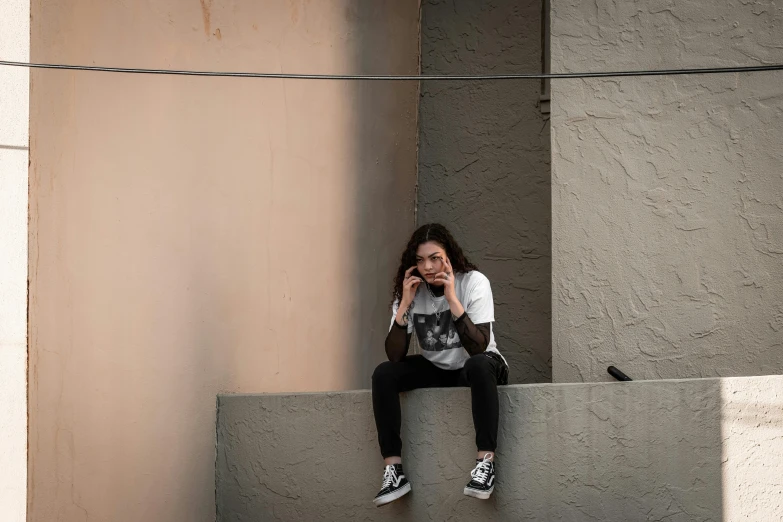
x=617 y=374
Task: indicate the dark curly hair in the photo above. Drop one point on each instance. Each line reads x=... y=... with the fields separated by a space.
x=439 y=234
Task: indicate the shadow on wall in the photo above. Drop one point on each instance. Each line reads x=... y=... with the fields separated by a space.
x=385 y=169
x=172 y=220
x=484 y=164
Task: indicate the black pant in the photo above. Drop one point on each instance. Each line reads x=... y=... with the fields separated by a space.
x=482 y=372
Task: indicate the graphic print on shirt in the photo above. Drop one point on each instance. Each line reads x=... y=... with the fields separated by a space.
x=436 y=335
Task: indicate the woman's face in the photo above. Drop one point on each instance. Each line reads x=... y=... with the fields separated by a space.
x=429 y=260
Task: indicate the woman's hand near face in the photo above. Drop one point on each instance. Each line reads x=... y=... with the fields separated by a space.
x=446 y=278
x=409 y=287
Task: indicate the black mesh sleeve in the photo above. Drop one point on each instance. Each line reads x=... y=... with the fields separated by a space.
x=397 y=342
x=474 y=337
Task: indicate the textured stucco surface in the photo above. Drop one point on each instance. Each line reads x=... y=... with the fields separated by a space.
x=667 y=222
x=752 y=428
x=196 y=235
x=672 y=450
x=484 y=157
x=14 y=137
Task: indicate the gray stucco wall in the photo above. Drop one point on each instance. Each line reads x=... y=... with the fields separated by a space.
x=706 y=449
x=667 y=222
x=484 y=163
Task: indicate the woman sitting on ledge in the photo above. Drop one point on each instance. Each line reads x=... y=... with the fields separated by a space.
x=441 y=296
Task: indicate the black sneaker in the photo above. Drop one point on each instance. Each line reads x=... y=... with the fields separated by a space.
x=394 y=485
x=482 y=479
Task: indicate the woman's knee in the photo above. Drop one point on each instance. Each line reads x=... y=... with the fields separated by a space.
x=383 y=371
x=479 y=365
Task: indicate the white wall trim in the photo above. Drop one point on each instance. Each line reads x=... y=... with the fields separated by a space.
x=14 y=154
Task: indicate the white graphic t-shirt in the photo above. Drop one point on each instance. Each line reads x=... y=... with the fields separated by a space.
x=431 y=319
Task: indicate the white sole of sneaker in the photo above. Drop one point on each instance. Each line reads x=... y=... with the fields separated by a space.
x=391 y=497
x=483 y=495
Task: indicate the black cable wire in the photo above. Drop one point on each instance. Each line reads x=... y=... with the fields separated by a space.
x=392 y=77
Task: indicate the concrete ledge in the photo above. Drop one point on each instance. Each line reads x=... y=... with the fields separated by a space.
x=705 y=449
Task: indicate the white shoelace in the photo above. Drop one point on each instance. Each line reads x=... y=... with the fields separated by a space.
x=481 y=472
x=389 y=475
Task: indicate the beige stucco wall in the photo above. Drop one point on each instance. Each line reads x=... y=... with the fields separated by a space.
x=14 y=137
x=191 y=236
x=666 y=192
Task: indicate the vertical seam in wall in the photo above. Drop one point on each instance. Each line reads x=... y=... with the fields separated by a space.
x=29 y=478
x=418 y=130
x=27 y=328
x=217 y=418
